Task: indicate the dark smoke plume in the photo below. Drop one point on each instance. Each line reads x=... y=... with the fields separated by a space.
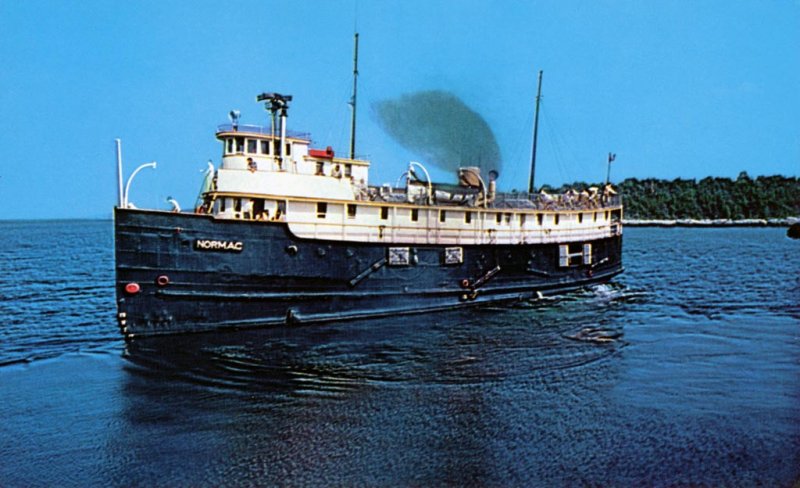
x=441 y=129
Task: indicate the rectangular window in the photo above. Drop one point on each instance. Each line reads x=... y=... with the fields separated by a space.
x=580 y=218
x=239 y=144
x=320 y=166
x=595 y=216
x=498 y=218
x=384 y=213
x=230 y=146
x=467 y=217
x=442 y=215
x=276 y=147
x=351 y=210
x=555 y=219
x=348 y=170
x=264 y=147
x=540 y=219
x=322 y=209
x=222 y=204
x=288 y=149
x=252 y=146
x=508 y=218
x=521 y=219
x=414 y=214
x=237 y=204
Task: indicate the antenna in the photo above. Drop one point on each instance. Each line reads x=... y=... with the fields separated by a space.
x=535 y=134
x=353 y=101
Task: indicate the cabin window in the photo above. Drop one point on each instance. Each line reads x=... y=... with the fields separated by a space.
x=264 y=147
x=580 y=218
x=230 y=146
x=322 y=209
x=467 y=217
x=237 y=204
x=239 y=144
x=521 y=219
x=351 y=210
x=281 y=210
x=288 y=149
x=414 y=214
x=320 y=166
x=348 y=170
x=222 y=204
x=384 y=213
x=540 y=219
x=258 y=210
x=498 y=218
x=595 y=216
x=442 y=215
x=252 y=146
x=508 y=218
x=276 y=147
x=555 y=219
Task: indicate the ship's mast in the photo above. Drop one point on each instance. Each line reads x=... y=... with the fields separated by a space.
x=353 y=101
x=535 y=134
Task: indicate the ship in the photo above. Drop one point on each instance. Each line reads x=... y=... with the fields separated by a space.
x=284 y=233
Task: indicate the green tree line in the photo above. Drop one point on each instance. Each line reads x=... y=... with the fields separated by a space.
x=764 y=197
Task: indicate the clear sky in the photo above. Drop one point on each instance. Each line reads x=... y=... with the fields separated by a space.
x=681 y=88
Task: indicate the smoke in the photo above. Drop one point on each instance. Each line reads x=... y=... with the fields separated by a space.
x=441 y=129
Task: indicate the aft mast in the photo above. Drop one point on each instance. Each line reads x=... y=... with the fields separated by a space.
x=353 y=101
x=535 y=133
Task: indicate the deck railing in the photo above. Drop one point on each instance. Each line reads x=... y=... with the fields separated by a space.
x=259 y=129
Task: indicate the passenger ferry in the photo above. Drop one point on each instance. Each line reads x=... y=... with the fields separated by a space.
x=284 y=233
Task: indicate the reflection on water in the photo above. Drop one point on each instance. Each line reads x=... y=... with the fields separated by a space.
x=413 y=400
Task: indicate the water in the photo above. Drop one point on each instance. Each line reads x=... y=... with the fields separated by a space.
x=685 y=371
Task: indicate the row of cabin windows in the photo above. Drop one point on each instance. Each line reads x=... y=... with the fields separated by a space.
x=348 y=169
x=255 y=208
x=255 y=146
x=322 y=210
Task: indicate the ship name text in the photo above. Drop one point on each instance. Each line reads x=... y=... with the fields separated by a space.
x=213 y=245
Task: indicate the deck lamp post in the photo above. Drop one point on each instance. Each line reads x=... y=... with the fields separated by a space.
x=130 y=180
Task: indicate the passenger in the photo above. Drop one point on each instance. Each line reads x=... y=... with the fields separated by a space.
x=337 y=172
x=251 y=165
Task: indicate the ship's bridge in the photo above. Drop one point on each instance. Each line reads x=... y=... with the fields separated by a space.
x=254 y=162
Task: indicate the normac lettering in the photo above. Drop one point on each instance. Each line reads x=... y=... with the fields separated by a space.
x=210 y=245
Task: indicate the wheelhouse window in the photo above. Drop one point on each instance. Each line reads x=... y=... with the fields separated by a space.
x=322 y=209
x=414 y=214
x=351 y=210
x=230 y=145
x=252 y=146
x=384 y=213
x=264 y=147
x=239 y=144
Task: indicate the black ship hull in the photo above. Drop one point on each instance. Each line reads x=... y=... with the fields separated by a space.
x=180 y=273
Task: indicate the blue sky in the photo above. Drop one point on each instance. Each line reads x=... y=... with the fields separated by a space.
x=676 y=88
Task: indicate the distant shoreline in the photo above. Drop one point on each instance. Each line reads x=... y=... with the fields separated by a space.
x=786 y=222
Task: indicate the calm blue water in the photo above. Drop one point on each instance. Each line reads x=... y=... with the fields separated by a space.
x=686 y=371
